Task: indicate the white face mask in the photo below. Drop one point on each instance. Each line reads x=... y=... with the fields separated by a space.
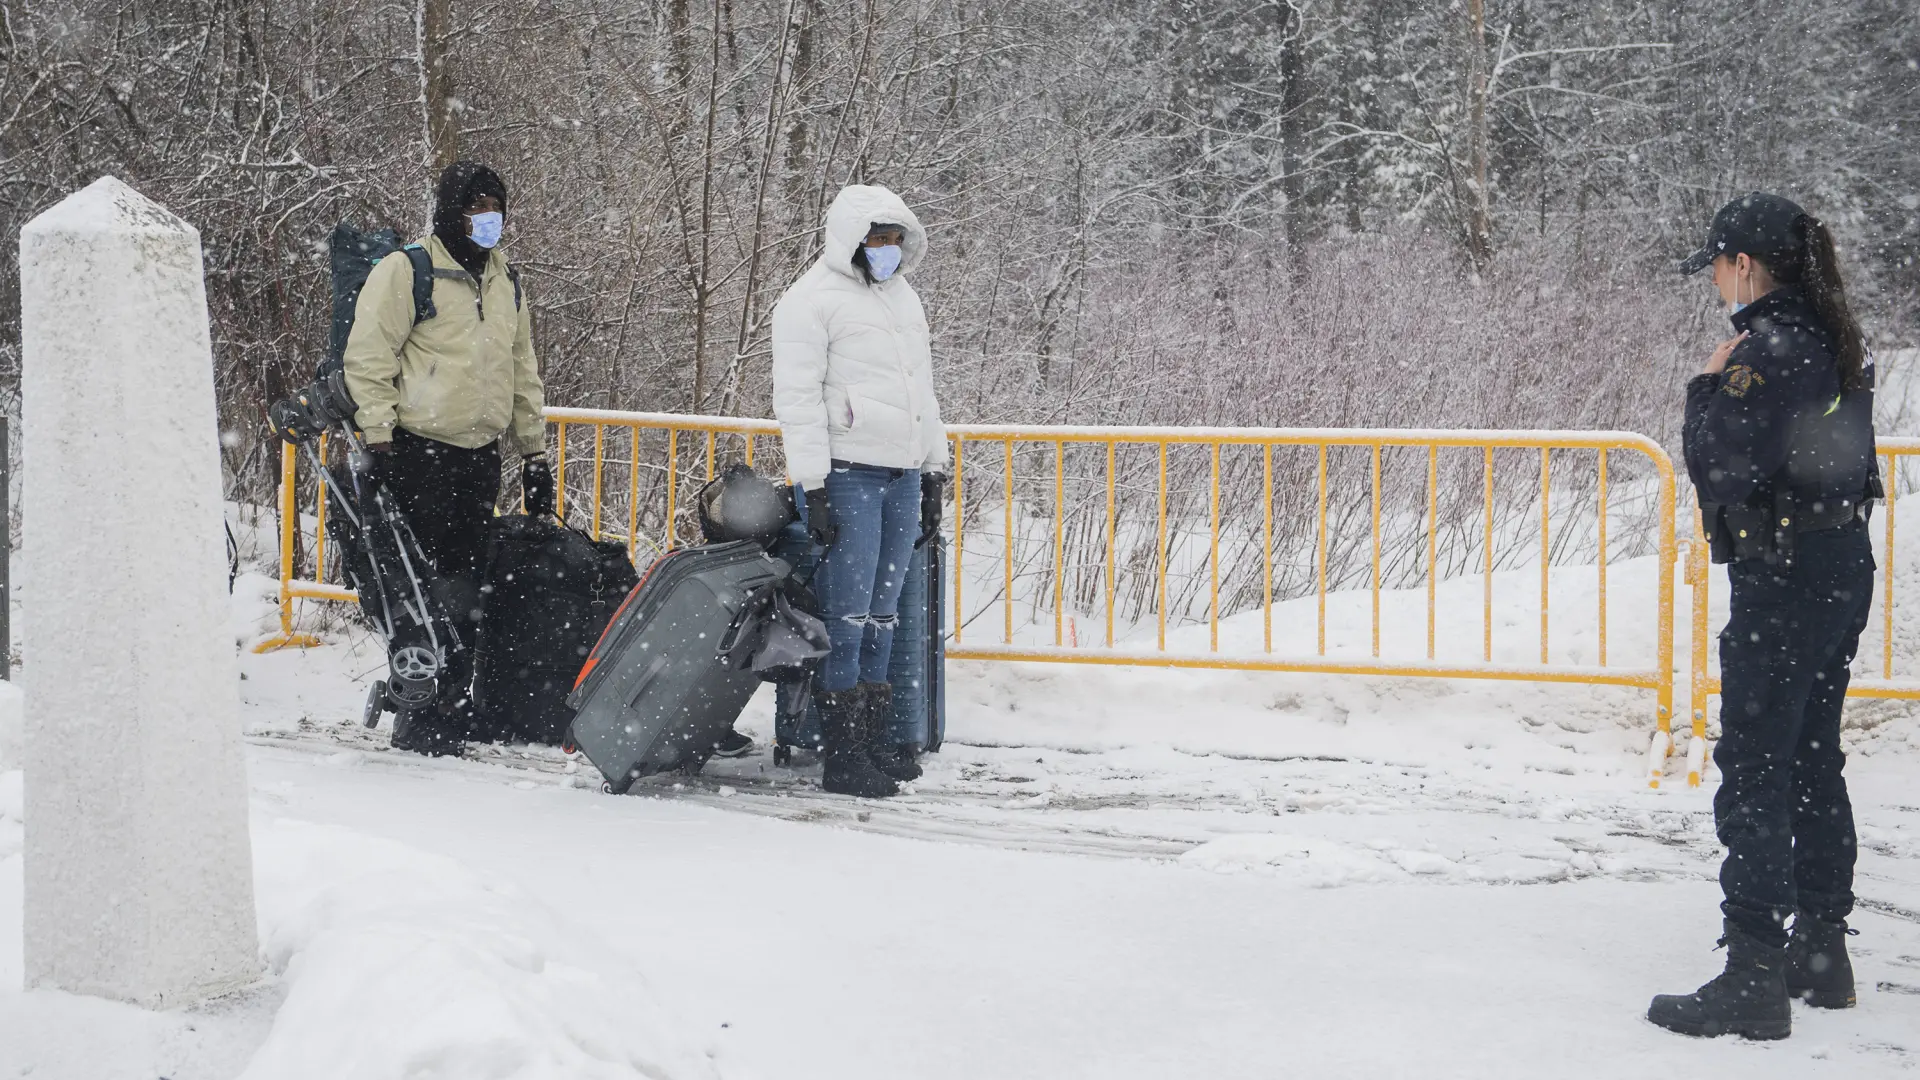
x=487 y=228
x=883 y=261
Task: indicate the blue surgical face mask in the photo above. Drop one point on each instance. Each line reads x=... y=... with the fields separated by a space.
x=486 y=228
x=883 y=261
x=1737 y=308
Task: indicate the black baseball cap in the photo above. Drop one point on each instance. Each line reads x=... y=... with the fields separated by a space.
x=1756 y=224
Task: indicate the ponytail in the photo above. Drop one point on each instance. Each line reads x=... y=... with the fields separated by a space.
x=1816 y=269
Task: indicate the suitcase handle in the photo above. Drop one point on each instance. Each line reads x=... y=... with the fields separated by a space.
x=658 y=665
x=730 y=641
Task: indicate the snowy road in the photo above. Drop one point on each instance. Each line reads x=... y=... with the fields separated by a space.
x=791 y=949
x=1108 y=873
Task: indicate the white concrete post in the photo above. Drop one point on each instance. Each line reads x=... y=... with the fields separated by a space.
x=139 y=878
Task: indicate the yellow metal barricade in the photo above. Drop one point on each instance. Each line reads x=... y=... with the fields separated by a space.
x=699 y=441
x=1705 y=683
x=1053 y=442
x=641 y=469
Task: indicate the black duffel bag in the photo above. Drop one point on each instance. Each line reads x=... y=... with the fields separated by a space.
x=549 y=591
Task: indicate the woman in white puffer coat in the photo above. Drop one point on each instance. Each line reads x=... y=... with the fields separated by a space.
x=853 y=391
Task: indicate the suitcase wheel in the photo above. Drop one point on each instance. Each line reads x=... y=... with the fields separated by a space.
x=782 y=754
x=606 y=787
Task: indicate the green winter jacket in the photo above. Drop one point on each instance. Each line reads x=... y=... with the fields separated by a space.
x=465 y=377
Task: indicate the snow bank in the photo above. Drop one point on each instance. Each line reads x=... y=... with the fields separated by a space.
x=253 y=610
x=11 y=732
x=12 y=812
x=400 y=963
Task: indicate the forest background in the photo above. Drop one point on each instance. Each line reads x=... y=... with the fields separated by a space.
x=1299 y=213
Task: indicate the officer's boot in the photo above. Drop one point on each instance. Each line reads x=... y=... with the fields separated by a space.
x=876 y=704
x=1748 y=999
x=1818 y=970
x=848 y=769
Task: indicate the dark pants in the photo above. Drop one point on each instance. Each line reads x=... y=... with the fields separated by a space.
x=1782 y=809
x=448 y=495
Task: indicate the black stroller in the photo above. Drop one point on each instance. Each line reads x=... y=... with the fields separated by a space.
x=401 y=597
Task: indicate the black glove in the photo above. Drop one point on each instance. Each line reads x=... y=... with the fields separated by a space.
x=820 y=518
x=379 y=454
x=536 y=486
x=933 y=501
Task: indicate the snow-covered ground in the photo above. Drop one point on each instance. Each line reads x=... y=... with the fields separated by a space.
x=1109 y=872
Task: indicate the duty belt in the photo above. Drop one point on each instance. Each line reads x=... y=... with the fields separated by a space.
x=1748 y=531
x=1818 y=517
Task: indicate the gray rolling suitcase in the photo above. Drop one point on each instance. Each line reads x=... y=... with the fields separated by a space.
x=664 y=683
x=918 y=669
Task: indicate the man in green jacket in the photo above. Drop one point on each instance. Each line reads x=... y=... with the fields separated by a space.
x=436 y=398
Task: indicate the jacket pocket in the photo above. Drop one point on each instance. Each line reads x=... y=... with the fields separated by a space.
x=881 y=423
x=408 y=386
x=839 y=409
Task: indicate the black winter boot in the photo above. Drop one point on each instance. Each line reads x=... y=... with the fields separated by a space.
x=848 y=769
x=1818 y=970
x=1748 y=999
x=428 y=731
x=876 y=705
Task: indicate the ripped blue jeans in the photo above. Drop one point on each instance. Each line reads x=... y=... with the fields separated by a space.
x=876 y=518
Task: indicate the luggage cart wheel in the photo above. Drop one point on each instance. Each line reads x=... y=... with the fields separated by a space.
x=376 y=704
x=782 y=754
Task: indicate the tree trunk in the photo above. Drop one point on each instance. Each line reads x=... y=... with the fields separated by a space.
x=703 y=274
x=433 y=26
x=1480 y=208
x=1293 y=110
x=799 y=133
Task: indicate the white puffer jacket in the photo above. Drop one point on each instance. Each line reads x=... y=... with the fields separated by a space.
x=852 y=362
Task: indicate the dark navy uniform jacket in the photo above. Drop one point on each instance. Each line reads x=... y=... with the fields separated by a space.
x=1777 y=418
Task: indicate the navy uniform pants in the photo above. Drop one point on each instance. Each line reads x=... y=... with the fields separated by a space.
x=1782 y=809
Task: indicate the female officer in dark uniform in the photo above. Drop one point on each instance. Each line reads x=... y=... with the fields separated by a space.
x=1779 y=443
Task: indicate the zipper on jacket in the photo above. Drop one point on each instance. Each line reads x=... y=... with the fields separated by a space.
x=900 y=365
x=479 y=292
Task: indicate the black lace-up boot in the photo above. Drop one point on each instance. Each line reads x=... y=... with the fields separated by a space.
x=1818 y=969
x=1748 y=999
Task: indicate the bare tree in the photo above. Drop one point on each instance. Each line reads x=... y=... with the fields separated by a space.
x=441 y=134
x=1174 y=211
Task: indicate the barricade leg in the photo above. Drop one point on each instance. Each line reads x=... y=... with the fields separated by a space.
x=287 y=638
x=1657 y=752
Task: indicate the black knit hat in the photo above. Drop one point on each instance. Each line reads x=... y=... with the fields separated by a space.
x=1757 y=224
x=460 y=184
